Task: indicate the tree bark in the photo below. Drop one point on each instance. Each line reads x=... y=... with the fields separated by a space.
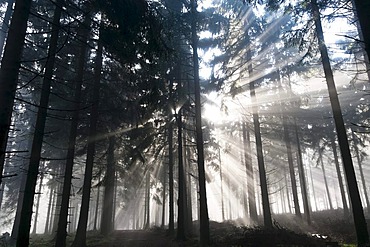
x=358 y=213
x=107 y=213
x=204 y=220
x=60 y=240
x=10 y=65
x=222 y=184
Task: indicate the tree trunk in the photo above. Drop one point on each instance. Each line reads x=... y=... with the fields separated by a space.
x=60 y=240
x=97 y=208
x=5 y=24
x=250 y=174
x=287 y=192
x=222 y=185
x=326 y=183
x=302 y=177
x=260 y=159
x=33 y=168
x=170 y=180
x=147 y=202
x=164 y=196
x=181 y=182
x=339 y=176
x=10 y=65
x=291 y=167
x=362 y=10
x=204 y=220
x=358 y=213
x=38 y=204
x=354 y=137
x=80 y=238
x=107 y=213
x=46 y=231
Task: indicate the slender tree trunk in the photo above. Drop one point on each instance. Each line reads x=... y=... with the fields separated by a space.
x=313 y=190
x=287 y=192
x=291 y=167
x=302 y=177
x=326 y=183
x=107 y=213
x=80 y=238
x=10 y=65
x=46 y=230
x=260 y=158
x=2 y=188
x=170 y=180
x=250 y=174
x=204 y=220
x=181 y=183
x=146 y=221
x=339 y=176
x=97 y=208
x=358 y=212
x=33 y=168
x=38 y=204
x=354 y=137
x=222 y=185
x=164 y=196
x=5 y=24
x=60 y=240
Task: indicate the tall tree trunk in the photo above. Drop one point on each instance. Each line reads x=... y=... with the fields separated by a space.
x=97 y=208
x=5 y=24
x=339 y=176
x=362 y=10
x=250 y=174
x=260 y=158
x=204 y=220
x=107 y=213
x=354 y=137
x=326 y=183
x=302 y=177
x=38 y=204
x=147 y=202
x=10 y=65
x=358 y=212
x=181 y=182
x=171 y=222
x=291 y=167
x=80 y=238
x=33 y=168
x=222 y=184
x=164 y=196
x=287 y=192
x=46 y=231
x=60 y=240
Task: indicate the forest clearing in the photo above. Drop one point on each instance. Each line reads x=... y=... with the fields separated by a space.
x=184 y=123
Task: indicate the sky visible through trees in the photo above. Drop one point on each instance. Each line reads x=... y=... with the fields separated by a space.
x=129 y=115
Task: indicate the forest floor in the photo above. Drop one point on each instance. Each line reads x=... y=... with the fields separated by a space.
x=328 y=228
